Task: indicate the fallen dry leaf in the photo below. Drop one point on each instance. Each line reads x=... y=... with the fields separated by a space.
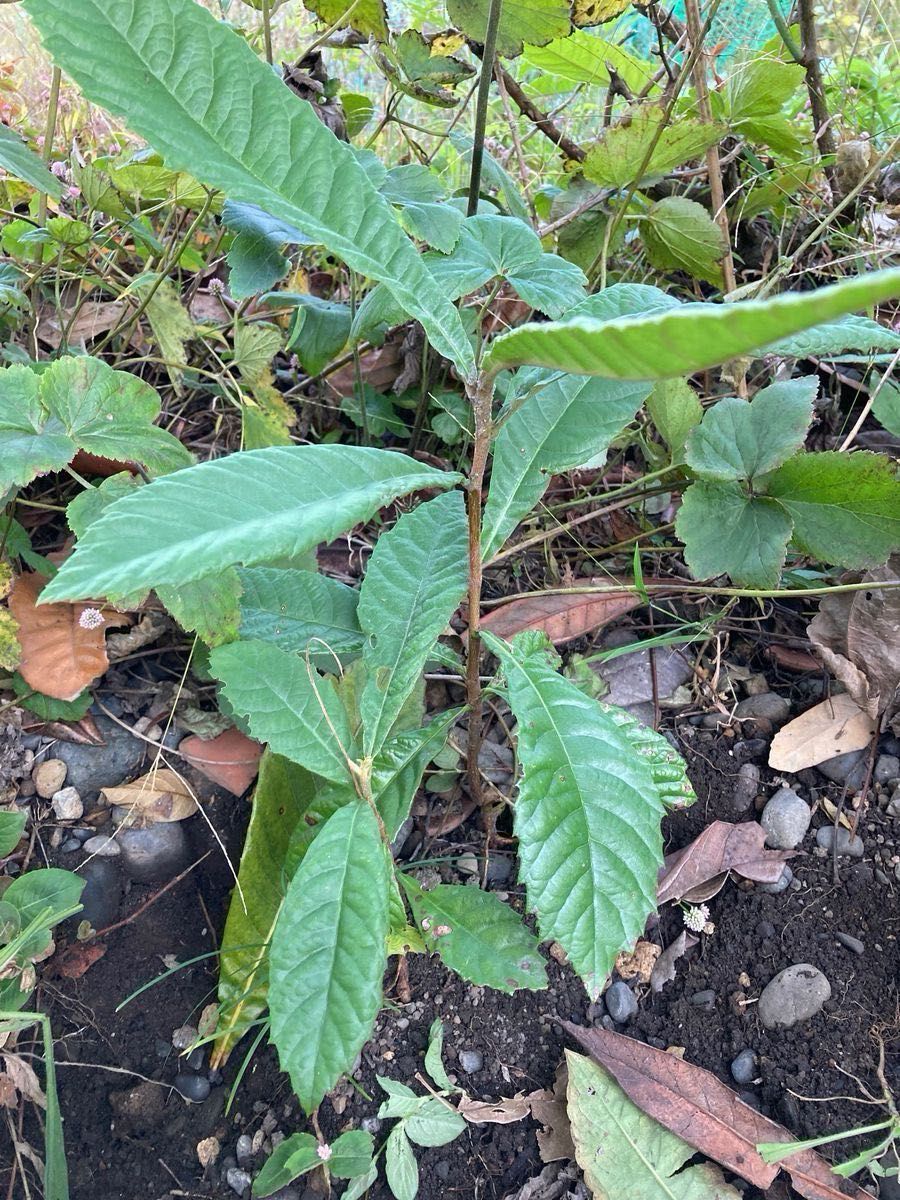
x=9 y=1096
x=857 y=635
x=160 y=795
x=833 y=727
x=92 y=318
x=706 y=1114
x=664 y=970
x=231 y=760
x=93 y=464
x=562 y=617
x=24 y=1078
x=793 y=660
x=500 y=1112
x=77 y=959
x=63 y=645
x=639 y=962
x=551 y=1111
x=720 y=848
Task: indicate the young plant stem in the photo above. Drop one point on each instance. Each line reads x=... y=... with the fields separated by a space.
x=822 y=131
x=267 y=29
x=480 y=395
x=481 y=104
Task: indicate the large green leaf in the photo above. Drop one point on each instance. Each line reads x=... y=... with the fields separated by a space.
x=587 y=815
x=208 y=606
x=623 y=1151
x=297 y=610
x=414 y=581
x=740 y=440
x=328 y=953
x=287 y=704
x=665 y=764
x=584 y=58
x=680 y=234
x=616 y=160
x=283 y=795
x=493 y=247
x=727 y=531
x=477 y=936
x=288 y=1161
x=533 y=21
x=198 y=94
x=684 y=339
x=567 y=420
x=248 y=508
x=255 y=258
x=420 y=195
x=853 y=334
x=32 y=441
x=845 y=507
x=22 y=163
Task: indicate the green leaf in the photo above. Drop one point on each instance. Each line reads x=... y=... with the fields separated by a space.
x=679 y=233
x=351 y=1154
x=208 y=607
x=492 y=247
x=255 y=260
x=358 y=1187
x=420 y=195
x=212 y=107
x=584 y=58
x=287 y=704
x=402 y=1100
x=886 y=406
x=291 y=1158
x=31 y=441
x=434 y=1124
x=682 y=340
x=247 y=508
x=48 y=708
x=300 y=610
x=90 y=504
x=367 y=17
x=622 y=1151
x=665 y=764
x=319 y=331
x=675 y=410
x=856 y=334
x=434 y=1056
x=254 y=348
x=328 y=953
x=616 y=160
x=400 y=1165
x=11 y=826
x=562 y=422
x=477 y=936
x=845 y=507
x=398 y=766
x=533 y=21
x=741 y=440
x=283 y=796
x=48 y=891
x=728 y=532
x=170 y=322
x=757 y=89
x=411 y=67
x=587 y=815
x=22 y=163
x=414 y=582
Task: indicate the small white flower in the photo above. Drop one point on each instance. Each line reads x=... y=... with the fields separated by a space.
x=695 y=917
x=324 y=1151
x=91 y=618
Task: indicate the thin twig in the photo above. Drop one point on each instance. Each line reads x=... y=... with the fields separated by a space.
x=481 y=104
x=152 y=899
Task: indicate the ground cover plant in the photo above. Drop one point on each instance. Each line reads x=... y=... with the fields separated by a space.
x=271 y=313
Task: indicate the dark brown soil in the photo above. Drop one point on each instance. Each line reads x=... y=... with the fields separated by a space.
x=127 y=1138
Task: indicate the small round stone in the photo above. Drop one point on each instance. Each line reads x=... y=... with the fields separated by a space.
x=785 y=819
x=238 y=1180
x=184 y=1036
x=471 y=1061
x=155 y=854
x=192 y=1087
x=102 y=846
x=851 y=943
x=66 y=804
x=70 y=845
x=767 y=706
x=887 y=767
x=743 y=1068
x=845 y=844
x=794 y=995
x=244 y=1149
x=780 y=885
x=705 y=1000
x=49 y=776
x=102 y=892
x=620 y=1002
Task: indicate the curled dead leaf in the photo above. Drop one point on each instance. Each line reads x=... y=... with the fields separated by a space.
x=77 y=959
x=702 y=865
x=160 y=795
x=24 y=1079
x=563 y=617
x=664 y=970
x=488 y=1112
x=836 y=726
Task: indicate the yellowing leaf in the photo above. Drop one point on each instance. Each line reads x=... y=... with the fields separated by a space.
x=365 y=16
x=534 y=22
x=597 y=12
x=171 y=325
x=160 y=795
x=617 y=159
x=254 y=348
x=835 y=726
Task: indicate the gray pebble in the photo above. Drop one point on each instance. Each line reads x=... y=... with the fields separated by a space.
x=192 y=1087
x=893 y=808
x=608 y=1023
x=91 y=768
x=102 y=892
x=745 y=789
x=102 y=846
x=785 y=819
x=70 y=845
x=767 y=706
x=184 y=1036
x=794 y=995
x=471 y=1061
x=743 y=1068
x=442 y=1170
x=196 y=1058
x=851 y=943
x=705 y=1000
x=849 y=768
x=238 y=1180
x=155 y=854
x=370 y=1124
x=243 y=1151
x=887 y=767
x=780 y=885
x=620 y=1002
x=852 y=847
x=748 y=749
x=66 y=804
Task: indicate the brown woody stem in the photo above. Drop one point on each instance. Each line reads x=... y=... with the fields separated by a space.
x=480 y=395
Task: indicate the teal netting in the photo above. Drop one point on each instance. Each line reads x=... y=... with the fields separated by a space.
x=738 y=26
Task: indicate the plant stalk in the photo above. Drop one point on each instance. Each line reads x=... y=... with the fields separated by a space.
x=481 y=104
x=822 y=131
x=480 y=396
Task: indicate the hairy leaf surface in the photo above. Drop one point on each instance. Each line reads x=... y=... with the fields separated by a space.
x=726 y=531
x=300 y=609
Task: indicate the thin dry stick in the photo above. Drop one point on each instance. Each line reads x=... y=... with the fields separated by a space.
x=809 y=46
x=152 y=899
x=481 y=397
x=539 y=119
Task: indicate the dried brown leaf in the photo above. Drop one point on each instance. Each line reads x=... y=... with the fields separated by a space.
x=500 y=1112
x=562 y=617
x=77 y=959
x=833 y=727
x=793 y=660
x=720 y=848
x=78 y=325
x=706 y=1114
x=664 y=971
x=551 y=1111
x=24 y=1078
x=63 y=650
x=160 y=795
